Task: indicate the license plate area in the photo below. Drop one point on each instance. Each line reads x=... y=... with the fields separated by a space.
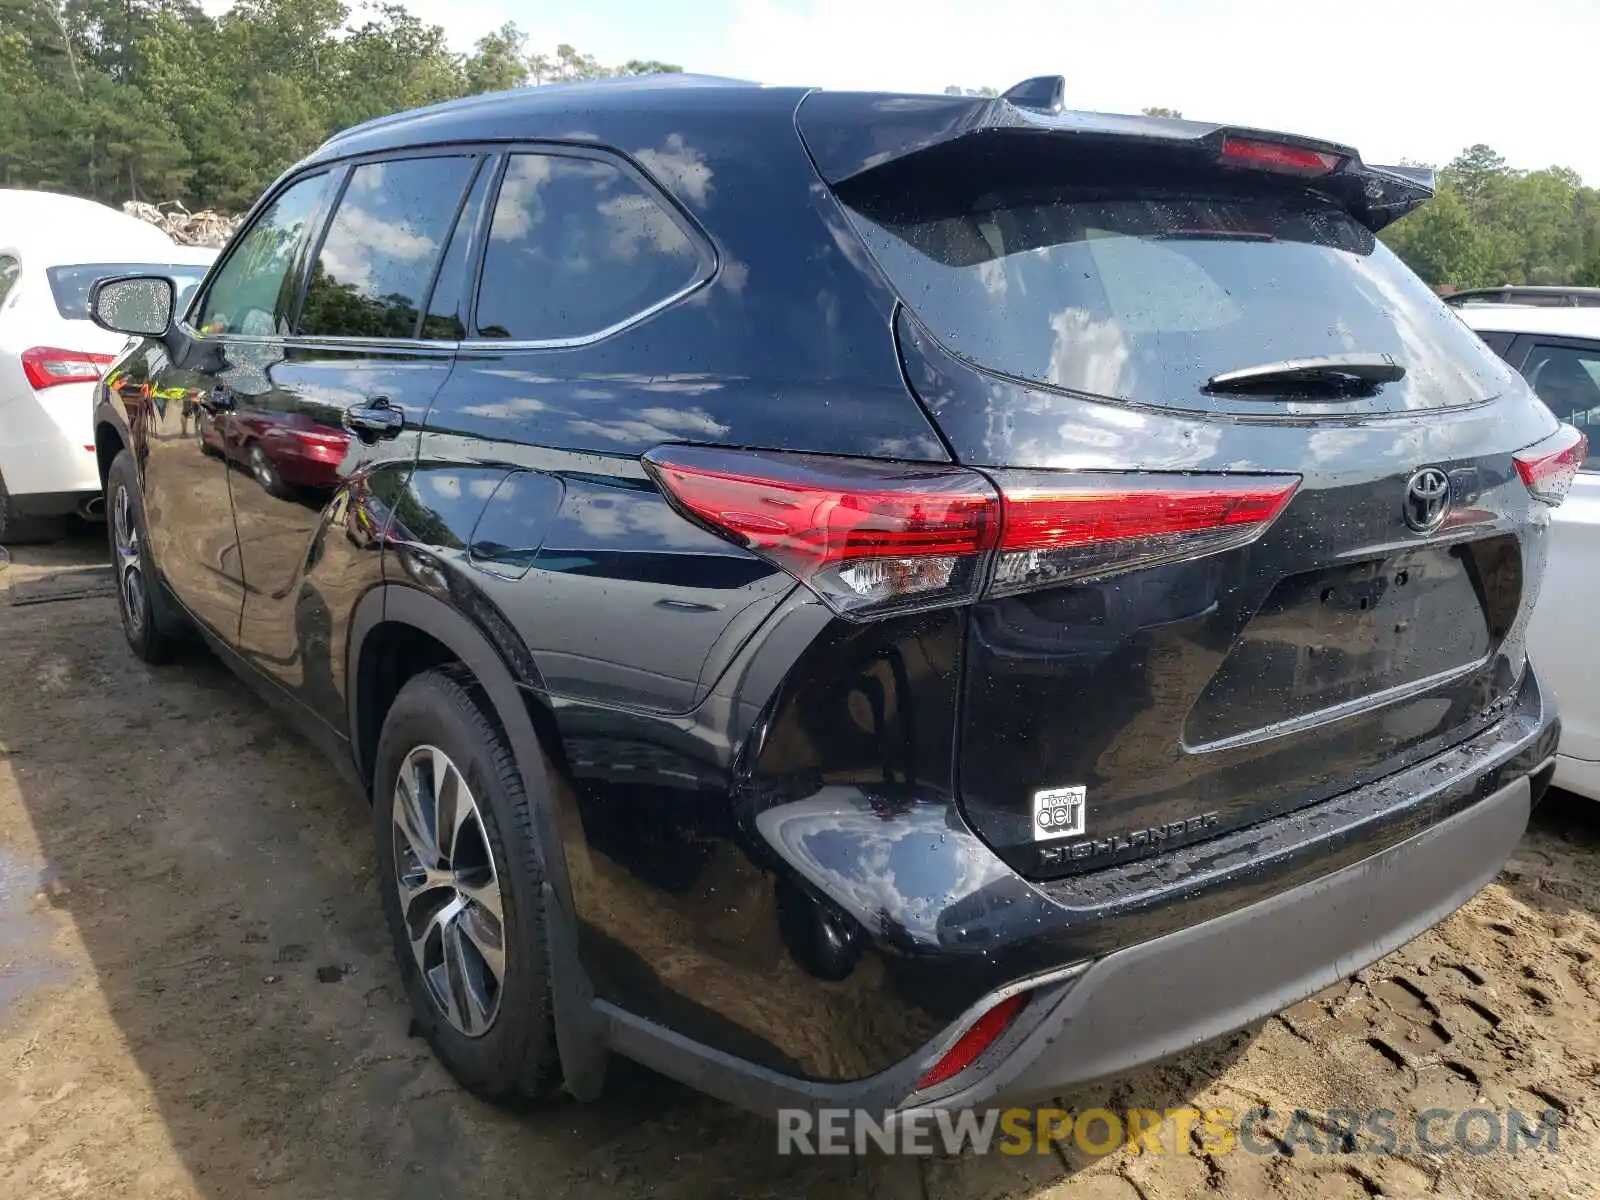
x=1331 y=638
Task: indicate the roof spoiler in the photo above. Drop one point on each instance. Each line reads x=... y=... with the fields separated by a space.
x=851 y=133
x=1424 y=177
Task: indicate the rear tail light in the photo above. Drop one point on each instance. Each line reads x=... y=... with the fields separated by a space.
x=978 y=1038
x=1549 y=468
x=861 y=533
x=1279 y=156
x=870 y=536
x=1060 y=528
x=46 y=366
x=322 y=447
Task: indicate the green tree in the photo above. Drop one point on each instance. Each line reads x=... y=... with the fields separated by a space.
x=159 y=99
x=564 y=66
x=1477 y=172
x=498 y=62
x=1493 y=224
x=1441 y=242
x=648 y=66
x=1158 y=111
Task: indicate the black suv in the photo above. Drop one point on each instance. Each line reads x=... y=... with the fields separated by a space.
x=853 y=599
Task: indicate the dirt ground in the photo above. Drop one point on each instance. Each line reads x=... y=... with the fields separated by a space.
x=197 y=998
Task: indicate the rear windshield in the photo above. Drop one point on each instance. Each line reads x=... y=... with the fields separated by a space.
x=70 y=285
x=1140 y=294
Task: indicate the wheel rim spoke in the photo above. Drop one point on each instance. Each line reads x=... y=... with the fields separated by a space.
x=471 y=993
x=451 y=806
x=426 y=944
x=485 y=896
x=412 y=822
x=449 y=890
x=483 y=933
x=415 y=886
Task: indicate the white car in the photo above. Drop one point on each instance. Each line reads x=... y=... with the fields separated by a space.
x=52 y=249
x=1558 y=352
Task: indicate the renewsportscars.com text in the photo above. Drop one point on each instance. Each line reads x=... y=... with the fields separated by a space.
x=1100 y=1131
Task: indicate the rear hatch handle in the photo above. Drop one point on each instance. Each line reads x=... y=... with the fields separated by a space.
x=1340 y=374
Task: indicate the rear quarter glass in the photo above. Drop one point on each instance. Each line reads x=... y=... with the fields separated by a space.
x=1133 y=292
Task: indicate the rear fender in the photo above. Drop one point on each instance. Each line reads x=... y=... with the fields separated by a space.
x=579 y=1036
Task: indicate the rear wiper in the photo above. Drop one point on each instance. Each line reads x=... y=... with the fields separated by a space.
x=1336 y=373
x=1212 y=235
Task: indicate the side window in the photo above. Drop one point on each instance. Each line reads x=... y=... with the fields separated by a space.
x=1500 y=343
x=577 y=246
x=9 y=268
x=1568 y=380
x=375 y=266
x=445 y=306
x=254 y=291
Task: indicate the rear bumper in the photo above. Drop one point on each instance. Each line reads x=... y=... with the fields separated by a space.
x=1134 y=963
x=45 y=473
x=53 y=504
x=1174 y=992
x=1578 y=775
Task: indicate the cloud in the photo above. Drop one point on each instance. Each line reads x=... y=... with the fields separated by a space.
x=1243 y=61
x=680 y=166
x=359 y=237
x=653 y=425
x=520 y=206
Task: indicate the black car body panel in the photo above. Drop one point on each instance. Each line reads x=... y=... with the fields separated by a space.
x=784 y=840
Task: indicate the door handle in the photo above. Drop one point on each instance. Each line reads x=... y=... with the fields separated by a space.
x=375 y=419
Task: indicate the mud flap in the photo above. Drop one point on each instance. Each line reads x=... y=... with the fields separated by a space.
x=580 y=1033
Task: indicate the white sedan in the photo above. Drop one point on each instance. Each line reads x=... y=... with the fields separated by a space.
x=1558 y=352
x=52 y=249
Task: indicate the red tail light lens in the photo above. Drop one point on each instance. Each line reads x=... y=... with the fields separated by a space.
x=1278 y=156
x=46 y=366
x=869 y=536
x=973 y=1042
x=327 y=447
x=1060 y=528
x=861 y=533
x=1550 y=467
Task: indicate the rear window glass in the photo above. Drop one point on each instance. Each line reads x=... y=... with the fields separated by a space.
x=70 y=285
x=1567 y=379
x=1140 y=294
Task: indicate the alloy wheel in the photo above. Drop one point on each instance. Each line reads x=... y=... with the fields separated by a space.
x=449 y=890
x=261 y=468
x=130 y=561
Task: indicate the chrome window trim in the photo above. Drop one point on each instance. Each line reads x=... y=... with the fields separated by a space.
x=644 y=314
x=406 y=345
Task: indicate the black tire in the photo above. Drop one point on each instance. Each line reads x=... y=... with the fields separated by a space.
x=155 y=630
x=515 y=1059
x=18 y=530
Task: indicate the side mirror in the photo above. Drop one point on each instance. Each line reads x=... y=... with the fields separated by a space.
x=140 y=305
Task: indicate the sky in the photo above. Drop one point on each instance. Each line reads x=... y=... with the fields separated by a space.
x=1397 y=79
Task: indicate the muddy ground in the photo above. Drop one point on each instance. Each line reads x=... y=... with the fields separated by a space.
x=197 y=999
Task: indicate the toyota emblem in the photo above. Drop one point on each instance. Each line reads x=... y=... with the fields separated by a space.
x=1427 y=500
